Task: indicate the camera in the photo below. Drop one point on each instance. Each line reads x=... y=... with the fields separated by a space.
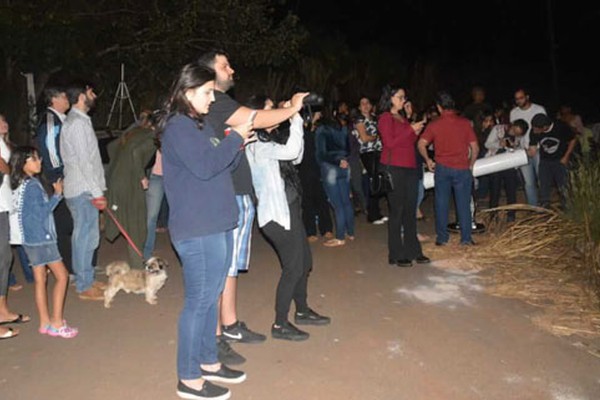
x=313 y=100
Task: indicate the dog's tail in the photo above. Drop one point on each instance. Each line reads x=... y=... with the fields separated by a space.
x=117 y=268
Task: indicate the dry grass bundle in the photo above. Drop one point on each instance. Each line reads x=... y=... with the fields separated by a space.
x=584 y=210
x=540 y=260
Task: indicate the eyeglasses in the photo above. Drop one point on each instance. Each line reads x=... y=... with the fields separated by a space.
x=520 y=98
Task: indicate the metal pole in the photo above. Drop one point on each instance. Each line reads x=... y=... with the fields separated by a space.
x=121 y=95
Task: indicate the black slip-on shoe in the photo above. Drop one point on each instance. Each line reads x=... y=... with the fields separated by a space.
x=422 y=260
x=224 y=375
x=310 y=317
x=227 y=355
x=288 y=331
x=208 y=392
x=404 y=263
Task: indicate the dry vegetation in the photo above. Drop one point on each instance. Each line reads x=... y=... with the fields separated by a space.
x=547 y=258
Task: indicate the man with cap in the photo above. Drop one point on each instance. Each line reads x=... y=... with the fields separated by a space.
x=556 y=144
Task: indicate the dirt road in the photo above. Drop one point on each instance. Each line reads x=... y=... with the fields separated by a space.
x=418 y=333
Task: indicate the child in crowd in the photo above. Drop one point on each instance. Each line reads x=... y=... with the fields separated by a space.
x=32 y=226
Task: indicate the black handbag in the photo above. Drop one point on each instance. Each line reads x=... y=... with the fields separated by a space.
x=381 y=182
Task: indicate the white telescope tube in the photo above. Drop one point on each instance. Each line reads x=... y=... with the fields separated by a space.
x=488 y=165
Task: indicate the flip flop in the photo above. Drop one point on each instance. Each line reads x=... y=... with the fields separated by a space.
x=19 y=320
x=10 y=333
x=16 y=287
x=334 y=243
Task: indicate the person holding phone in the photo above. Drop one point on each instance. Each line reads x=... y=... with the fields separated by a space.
x=197 y=167
x=399 y=156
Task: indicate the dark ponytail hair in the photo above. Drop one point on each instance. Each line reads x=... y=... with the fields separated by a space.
x=191 y=76
x=18 y=158
x=280 y=135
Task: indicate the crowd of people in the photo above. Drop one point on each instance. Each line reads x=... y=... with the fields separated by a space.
x=300 y=171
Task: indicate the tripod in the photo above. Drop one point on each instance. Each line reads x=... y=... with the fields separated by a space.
x=121 y=95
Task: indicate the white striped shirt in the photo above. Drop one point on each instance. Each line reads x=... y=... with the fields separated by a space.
x=83 y=169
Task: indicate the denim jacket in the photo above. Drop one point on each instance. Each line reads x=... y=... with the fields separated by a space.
x=263 y=158
x=32 y=221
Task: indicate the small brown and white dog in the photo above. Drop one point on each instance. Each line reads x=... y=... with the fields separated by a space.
x=147 y=281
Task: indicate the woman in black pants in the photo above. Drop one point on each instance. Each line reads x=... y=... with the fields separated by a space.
x=398 y=156
x=277 y=188
x=365 y=131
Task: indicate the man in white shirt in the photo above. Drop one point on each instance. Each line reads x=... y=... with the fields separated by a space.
x=525 y=110
x=84 y=187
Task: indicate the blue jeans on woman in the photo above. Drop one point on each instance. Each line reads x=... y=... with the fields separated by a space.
x=461 y=180
x=336 y=182
x=154 y=198
x=205 y=261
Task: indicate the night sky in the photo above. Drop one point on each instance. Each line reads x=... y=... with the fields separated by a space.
x=498 y=44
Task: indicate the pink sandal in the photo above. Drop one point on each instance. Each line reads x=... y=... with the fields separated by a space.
x=65 y=331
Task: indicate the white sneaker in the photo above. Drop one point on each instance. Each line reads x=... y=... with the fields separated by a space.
x=380 y=221
x=385 y=219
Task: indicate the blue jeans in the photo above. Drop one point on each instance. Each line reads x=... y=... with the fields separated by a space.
x=336 y=182
x=205 y=261
x=529 y=172
x=420 y=193
x=154 y=198
x=27 y=271
x=461 y=180
x=85 y=239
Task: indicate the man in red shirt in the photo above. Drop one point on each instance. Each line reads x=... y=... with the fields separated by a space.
x=455 y=148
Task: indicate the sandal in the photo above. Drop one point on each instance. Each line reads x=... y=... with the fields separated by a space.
x=21 y=319
x=65 y=331
x=422 y=237
x=334 y=243
x=16 y=287
x=9 y=334
x=43 y=330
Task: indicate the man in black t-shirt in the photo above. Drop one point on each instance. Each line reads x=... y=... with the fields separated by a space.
x=556 y=142
x=223 y=113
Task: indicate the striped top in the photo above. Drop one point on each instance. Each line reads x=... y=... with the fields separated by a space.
x=83 y=167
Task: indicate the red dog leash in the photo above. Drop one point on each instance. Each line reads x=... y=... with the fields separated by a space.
x=123 y=231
